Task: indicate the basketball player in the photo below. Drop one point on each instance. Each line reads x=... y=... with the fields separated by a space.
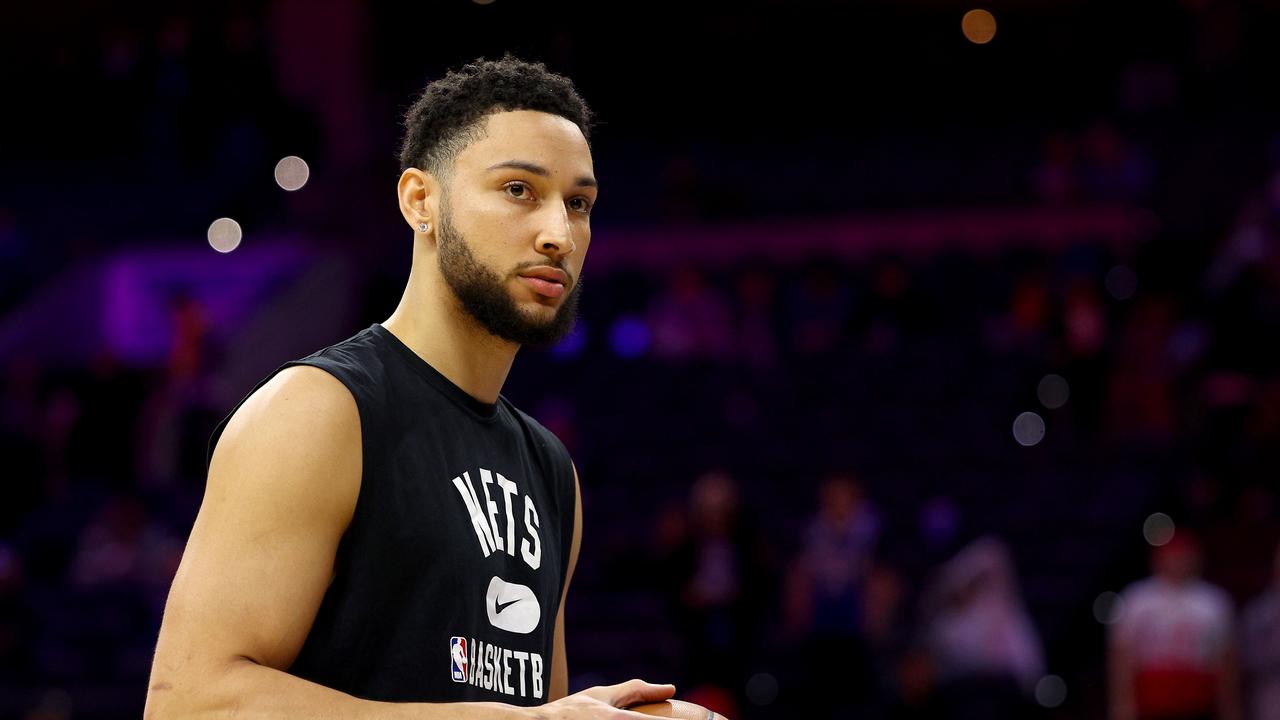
x=383 y=534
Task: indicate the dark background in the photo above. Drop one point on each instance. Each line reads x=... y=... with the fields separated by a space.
x=833 y=238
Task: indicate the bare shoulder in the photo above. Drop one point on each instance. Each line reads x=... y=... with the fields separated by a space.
x=282 y=488
x=297 y=438
x=301 y=394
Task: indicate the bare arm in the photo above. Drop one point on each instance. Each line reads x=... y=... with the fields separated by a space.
x=281 y=490
x=559 y=658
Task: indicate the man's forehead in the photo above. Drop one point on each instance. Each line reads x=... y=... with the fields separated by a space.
x=548 y=141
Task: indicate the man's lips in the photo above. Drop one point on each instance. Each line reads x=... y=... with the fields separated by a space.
x=544 y=287
x=549 y=274
x=546 y=281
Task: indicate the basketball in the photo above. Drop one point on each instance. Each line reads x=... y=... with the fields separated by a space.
x=677 y=709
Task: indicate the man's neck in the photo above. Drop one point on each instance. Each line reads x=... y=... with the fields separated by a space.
x=431 y=322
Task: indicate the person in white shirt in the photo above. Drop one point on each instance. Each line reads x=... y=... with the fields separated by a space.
x=1171 y=653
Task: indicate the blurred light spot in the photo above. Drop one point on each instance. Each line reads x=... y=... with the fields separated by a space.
x=9 y=565
x=1189 y=342
x=55 y=704
x=1158 y=529
x=1122 y=283
x=762 y=689
x=1051 y=691
x=939 y=521
x=979 y=26
x=224 y=235
x=629 y=337
x=1028 y=429
x=1053 y=391
x=573 y=343
x=1108 y=608
x=482 y=2
x=292 y=172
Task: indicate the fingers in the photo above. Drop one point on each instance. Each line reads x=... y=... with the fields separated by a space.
x=635 y=691
x=621 y=714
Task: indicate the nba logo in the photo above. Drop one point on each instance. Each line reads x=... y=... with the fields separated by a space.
x=458 y=658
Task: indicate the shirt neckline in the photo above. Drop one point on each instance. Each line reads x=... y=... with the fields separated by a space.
x=483 y=411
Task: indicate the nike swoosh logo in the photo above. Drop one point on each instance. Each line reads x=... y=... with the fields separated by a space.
x=526 y=614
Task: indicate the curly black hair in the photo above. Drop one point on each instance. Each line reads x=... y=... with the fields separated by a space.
x=448 y=116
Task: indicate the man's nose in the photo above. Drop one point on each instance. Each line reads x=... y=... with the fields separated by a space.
x=556 y=234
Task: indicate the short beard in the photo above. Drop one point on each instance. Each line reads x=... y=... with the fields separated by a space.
x=484 y=296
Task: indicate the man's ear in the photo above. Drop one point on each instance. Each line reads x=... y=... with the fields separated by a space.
x=419 y=194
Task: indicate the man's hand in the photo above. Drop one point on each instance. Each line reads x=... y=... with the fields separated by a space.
x=607 y=701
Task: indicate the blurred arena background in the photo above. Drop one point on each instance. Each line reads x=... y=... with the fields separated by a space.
x=910 y=332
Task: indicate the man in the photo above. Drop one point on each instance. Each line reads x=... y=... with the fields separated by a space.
x=1172 y=653
x=1260 y=645
x=382 y=532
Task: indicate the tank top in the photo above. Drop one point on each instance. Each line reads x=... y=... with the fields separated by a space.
x=449 y=577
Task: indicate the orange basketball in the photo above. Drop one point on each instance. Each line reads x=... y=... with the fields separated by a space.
x=677 y=709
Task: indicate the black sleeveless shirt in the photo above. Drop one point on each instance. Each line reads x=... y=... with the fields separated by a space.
x=449 y=577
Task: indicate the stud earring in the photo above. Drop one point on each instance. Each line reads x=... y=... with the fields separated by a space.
x=423 y=227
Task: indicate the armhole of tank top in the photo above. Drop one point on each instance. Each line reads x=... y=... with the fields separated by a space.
x=310 y=361
x=323 y=363
x=560 y=463
x=567 y=527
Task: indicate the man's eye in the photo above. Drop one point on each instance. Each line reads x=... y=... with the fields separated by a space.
x=520 y=191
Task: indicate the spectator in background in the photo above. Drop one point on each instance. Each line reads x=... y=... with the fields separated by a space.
x=1111 y=168
x=1260 y=642
x=1056 y=178
x=1172 y=653
x=820 y=308
x=826 y=594
x=984 y=650
x=721 y=569
x=887 y=309
x=1023 y=329
x=756 y=338
x=691 y=319
x=1237 y=545
x=1140 y=403
x=15 y=620
x=20 y=425
x=1084 y=343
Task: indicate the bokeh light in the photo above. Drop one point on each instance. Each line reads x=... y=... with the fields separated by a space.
x=629 y=337
x=292 y=172
x=573 y=343
x=1028 y=429
x=762 y=689
x=979 y=26
x=224 y=235
x=1108 y=608
x=1051 y=691
x=1121 y=282
x=1158 y=529
x=1053 y=391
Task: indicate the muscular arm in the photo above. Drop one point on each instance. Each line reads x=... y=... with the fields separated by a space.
x=281 y=490
x=559 y=660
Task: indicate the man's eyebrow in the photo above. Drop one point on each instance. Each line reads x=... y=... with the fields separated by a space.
x=536 y=169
